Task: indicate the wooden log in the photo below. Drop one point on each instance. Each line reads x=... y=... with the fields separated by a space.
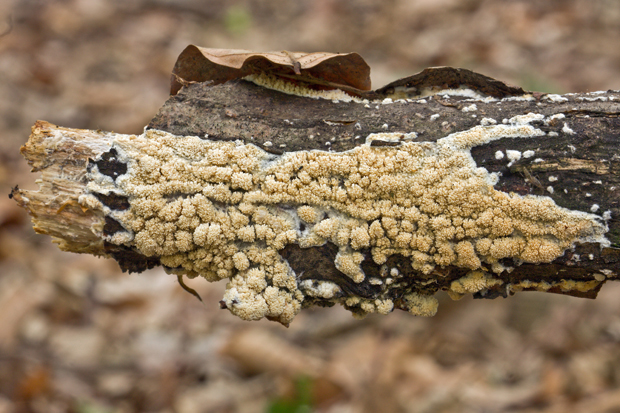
x=373 y=204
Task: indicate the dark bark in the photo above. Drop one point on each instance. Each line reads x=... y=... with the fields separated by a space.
x=586 y=163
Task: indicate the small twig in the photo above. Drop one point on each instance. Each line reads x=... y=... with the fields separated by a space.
x=188 y=289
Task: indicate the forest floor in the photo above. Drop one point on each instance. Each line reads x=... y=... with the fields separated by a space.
x=77 y=335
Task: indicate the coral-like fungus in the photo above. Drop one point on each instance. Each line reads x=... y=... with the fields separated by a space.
x=224 y=210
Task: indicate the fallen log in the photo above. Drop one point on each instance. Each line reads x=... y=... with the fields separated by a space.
x=376 y=201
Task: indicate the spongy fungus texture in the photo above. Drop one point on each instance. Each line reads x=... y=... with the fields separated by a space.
x=281 y=85
x=225 y=209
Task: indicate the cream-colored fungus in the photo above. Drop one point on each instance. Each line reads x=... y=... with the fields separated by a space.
x=224 y=210
x=473 y=282
x=281 y=85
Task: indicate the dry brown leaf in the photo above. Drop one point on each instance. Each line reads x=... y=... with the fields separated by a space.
x=450 y=78
x=259 y=351
x=331 y=70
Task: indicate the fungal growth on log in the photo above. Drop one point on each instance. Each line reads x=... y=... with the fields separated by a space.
x=301 y=193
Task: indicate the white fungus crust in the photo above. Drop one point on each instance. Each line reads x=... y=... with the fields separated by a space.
x=224 y=210
x=321 y=289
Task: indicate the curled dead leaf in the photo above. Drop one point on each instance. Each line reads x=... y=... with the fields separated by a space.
x=448 y=78
x=330 y=70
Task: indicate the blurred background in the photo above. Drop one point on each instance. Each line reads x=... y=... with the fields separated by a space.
x=76 y=335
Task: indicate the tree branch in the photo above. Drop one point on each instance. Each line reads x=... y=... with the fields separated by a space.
x=372 y=204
